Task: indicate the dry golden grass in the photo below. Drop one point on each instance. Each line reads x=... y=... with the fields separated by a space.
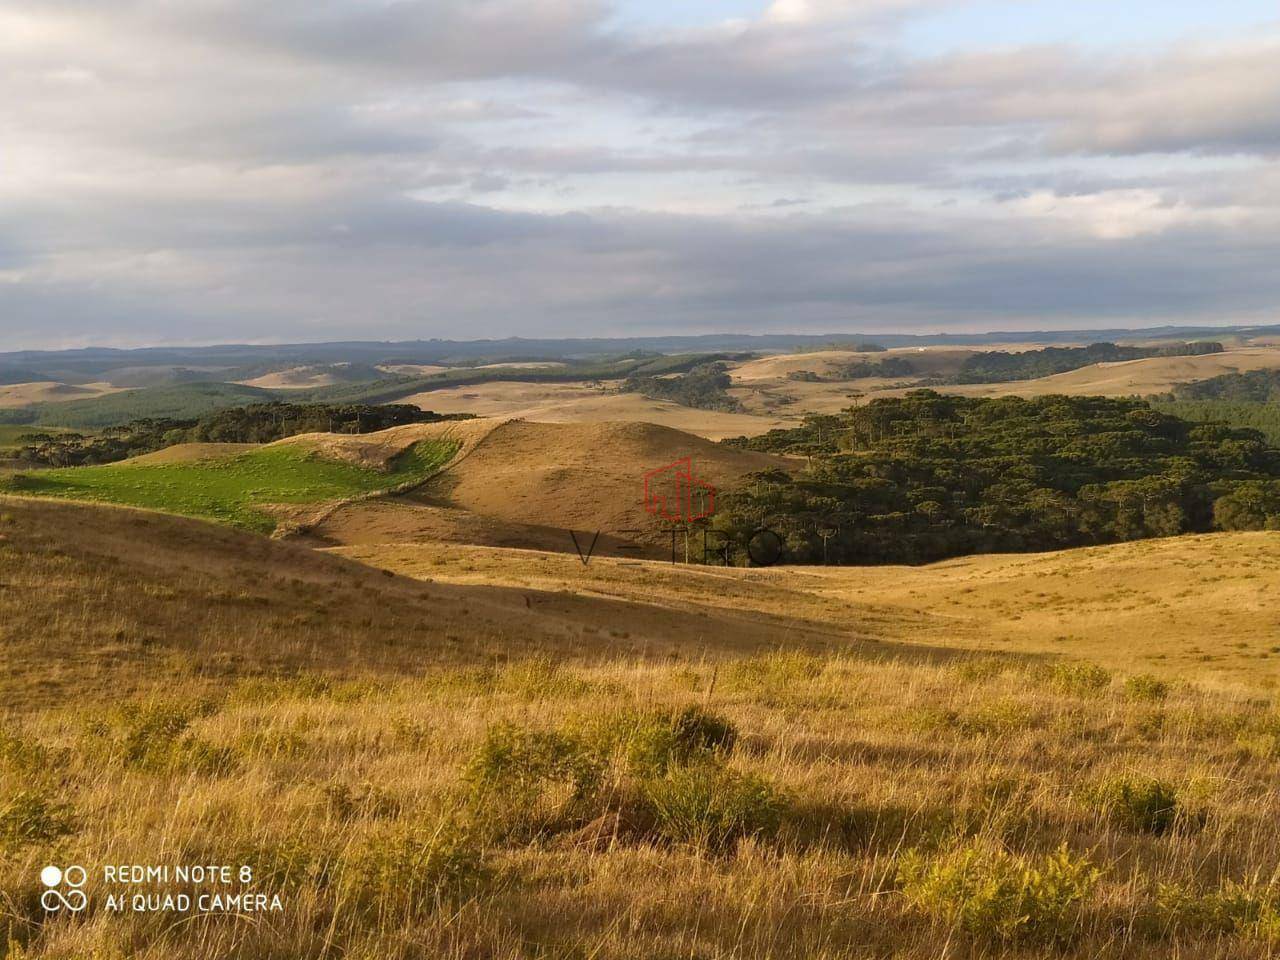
x=21 y=394
x=762 y=386
x=585 y=403
x=483 y=759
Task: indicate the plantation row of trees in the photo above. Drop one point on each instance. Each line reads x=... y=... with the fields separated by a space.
x=928 y=476
x=999 y=366
x=258 y=423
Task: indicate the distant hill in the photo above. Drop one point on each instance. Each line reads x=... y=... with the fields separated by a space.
x=95 y=360
x=178 y=402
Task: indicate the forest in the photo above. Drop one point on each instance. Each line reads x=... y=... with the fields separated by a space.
x=258 y=423
x=888 y=367
x=927 y=476
x=999 y=366
x=704 y=387
x=1254 y=385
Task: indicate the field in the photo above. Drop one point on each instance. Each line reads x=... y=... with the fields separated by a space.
x=232 y=489
x=459 y=763
x=434 y=728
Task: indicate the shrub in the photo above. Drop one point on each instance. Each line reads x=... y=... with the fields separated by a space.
x=23 y=753
x=29 y=817
x=541 y=678
x=345 y=802
x=990 y=893
x=525 y=782
x=776 y=673
x=1145 y=687
x=1080 y=678
x=710 y=807
x=1142 y=804
x=653 y=742
x=1241 y=909
x=397 y=872
x=152 y=736
x=978 y=669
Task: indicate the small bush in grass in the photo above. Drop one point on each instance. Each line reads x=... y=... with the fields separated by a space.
x=992 y=894
x=30 y=817
x=23 y=754
x=978 y=669
x=775 y=673
x=153 y=736
x=1141 y=804
x=1145 y=688
x=399 y=872
x=524 y=782
x=1235 y=908
x=541 y=678
x=654 y=741
x=711 y=807
x=363 y=801
x=1080 y=678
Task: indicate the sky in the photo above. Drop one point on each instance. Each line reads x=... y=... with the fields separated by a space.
x=303 y=170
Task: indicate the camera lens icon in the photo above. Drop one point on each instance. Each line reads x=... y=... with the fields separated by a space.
x=63 y=891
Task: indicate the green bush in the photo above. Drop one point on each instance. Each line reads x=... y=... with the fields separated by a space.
x=992 y=894
x=1240 y=909
x=1080 y=678
x=1141 y=804
x=524 y=782
x=153 y=736
x=713 y=808
x=652 y=742
x=776 y=673
x=29 y=817
x=1145 y=687
x=399 y=872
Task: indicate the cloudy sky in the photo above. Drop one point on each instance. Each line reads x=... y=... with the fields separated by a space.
x=194 y=171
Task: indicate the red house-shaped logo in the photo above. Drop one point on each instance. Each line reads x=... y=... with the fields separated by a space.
x=674 y=493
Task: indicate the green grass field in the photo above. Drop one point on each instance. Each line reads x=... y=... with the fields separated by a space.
x=230 y=490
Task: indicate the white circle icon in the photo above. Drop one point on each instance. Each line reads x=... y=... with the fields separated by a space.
x=51 y=876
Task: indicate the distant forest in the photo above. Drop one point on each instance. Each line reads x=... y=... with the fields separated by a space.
x=1254 y=385
x=259 y=423
x=704 y=387
x=928 y=476
x=999 y=366
x=888 y=367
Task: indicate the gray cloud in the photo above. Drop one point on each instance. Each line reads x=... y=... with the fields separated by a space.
x=223 y=169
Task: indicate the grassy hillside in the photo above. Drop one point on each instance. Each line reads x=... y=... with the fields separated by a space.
x=426 y=769
x=231 y=489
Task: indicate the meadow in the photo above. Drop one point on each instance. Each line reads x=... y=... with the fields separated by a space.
x=232 y=489
x=427 y=769
x=782 y=805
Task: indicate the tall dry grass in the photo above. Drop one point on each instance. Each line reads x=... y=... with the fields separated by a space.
x=783 y=805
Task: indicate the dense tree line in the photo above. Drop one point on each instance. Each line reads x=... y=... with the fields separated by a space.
x=999 y=366
x=927 y=476
x=888 y=367
x=705 y=387
x=1259 y=415
x=1253 y=385
x=258 y=423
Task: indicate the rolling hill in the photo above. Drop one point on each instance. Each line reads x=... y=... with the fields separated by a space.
x=524 y=484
